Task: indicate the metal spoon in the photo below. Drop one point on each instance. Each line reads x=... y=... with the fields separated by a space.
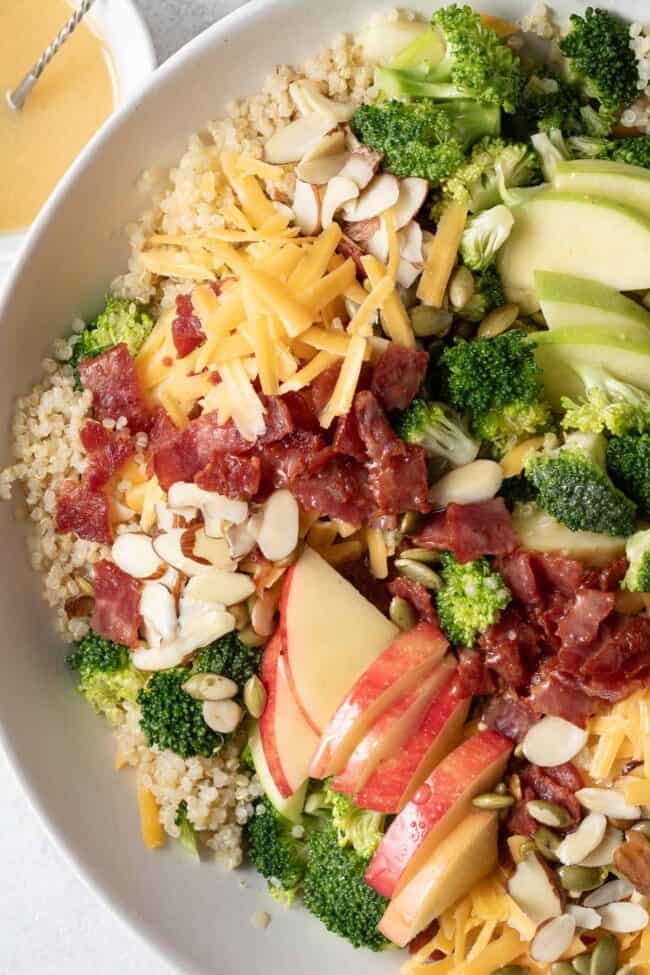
x=16 y=98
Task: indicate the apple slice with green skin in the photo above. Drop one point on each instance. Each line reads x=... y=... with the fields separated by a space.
x=626 y=184
x=401 y=667
x=391 y=730
x=437 y=807
x=465 y=856
x=291 y=808
x=573 y=302
x=331 y=634
x=399 y=776
x=589 y=236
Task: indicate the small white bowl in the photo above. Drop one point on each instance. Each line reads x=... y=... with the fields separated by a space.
x=123 y=30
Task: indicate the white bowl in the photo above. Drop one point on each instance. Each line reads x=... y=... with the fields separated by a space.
x=197 y=917
x=121 y=27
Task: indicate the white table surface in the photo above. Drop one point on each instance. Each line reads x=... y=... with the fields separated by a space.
x=50 y=923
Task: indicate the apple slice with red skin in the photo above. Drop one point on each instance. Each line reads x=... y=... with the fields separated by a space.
x=391 y=730
x=399 y=776
x=437 y=807
x=463 y=858
x=397 y=670
x=331 y=634
x=268 y=676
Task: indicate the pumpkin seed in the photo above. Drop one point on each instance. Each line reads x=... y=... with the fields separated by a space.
x=604 y=958
x=210 y=687
x=511 y=970
x=548 y=813
x=402 y=613
x=498 y=321
x=418 y=572
x=461 y=287
x=250 y=638
x=526 y=847
x=427 y=555
x=409 y=522
x=492 y=800
x=222 y=716
x=546 y=842
x=501 y=789
x=581 y=878
x=643 y=826
x=254 y=696
x=427 y=321
x=582 y=963
x=562 y=968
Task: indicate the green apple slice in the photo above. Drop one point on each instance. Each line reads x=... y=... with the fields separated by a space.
x=588 y=236
x=568 y=301
x=626 y=184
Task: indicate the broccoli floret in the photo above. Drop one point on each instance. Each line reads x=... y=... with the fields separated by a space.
x=549 y=102
x=470 y=600
x=120 y=321
x=472 y=62
x=635 y=150
x=574 y=487
x=628 y=462
x=488 y=295
x=497 y=382
x=476 y=182
x=424 y=139
x=359 y=828
x=187 y=834
x=439 y=430
x=107 y=677
x=637 y=551
x=172 y=719
x=336 y=893
x=600 y=60
x=610 y=405
x=275 y=851
x=230 y=657
x=484 y=235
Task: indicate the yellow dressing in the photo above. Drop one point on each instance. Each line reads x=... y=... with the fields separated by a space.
x=75 y=94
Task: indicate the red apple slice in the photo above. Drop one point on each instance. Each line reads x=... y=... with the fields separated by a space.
x=399 y=776
x=391 y=675
x=268 y=676
x=391 y=730
x=464 y=858
x=330 y=633
x=437 y=807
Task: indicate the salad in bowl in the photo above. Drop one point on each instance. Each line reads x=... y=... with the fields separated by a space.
x=342 y=498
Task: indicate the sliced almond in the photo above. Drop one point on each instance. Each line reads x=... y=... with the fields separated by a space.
x=412 y=194
x=289 y=144
x=338 y=192
x=158 y=611
x=583 y=841
x=215 y=508
x=324 y=160
x=614 y=890
x=534 y=888
x=553 y=939
x=210 y=687
x=241 y=539
x=380 y=195
x=623 y=918
x=217 y=586
x=170 y=579
x=604 y=852
x=202 y=623
x=378 y=244
x=278 y=534
x=410 y=243
x=585 y=917
x=362 y=166
x=362 y=230
x=169 y=546
x=161 y=658
x=408 y=273
x=608 y=801
x=222 y=716
x=215 y=551
x=133 y=553
x=306 y=207
x=553 y=741
x=309 y=98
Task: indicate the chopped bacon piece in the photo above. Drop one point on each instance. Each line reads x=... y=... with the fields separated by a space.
x=511 y=647
x=484 y=528
x=108 y=451
x=399 y=482
x=347 y=439
x=622 y=649
x=117 y=600
x=556 y=572
x=510 y=716
x=234 y=477
x=473 y=678
x=415 y=594
x=182 y=456
x=398 y=376
x=520 y=822
x=555 y=692
x=302 y=415
x=287 y=459
x=551 y=789
x=116 y=391
x=279 y=422
x=322 y=387
x=433 y=533
x=582 y=620
x=336 y=490
x=84 y=512
x=376 y=433
x=187 y=331
x=567 y=775
x=609 y=578
x=519 y=576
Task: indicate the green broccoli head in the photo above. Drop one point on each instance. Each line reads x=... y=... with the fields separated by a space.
x=484 y=234
x=476 y=182
x=439 y=430
x=335 y=891
x=276 y=851
x=637 y=550
x=108 y=680
x=600 y=59
x=171 y=719
x=230 y=657
x=422 y=138
x=470 y=600
x=609 y=405
x=186 y=834
x=628 y=462
x=120 y=321
x=488 y=295
x=634 y=150
x=359 y=828
x=573 y=486
x=502 y=429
